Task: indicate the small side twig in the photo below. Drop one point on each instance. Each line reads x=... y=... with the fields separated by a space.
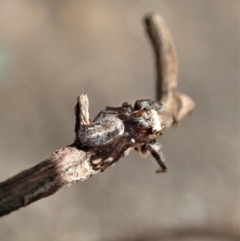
x=165 y=54
x=69 y=164
x=175 y=105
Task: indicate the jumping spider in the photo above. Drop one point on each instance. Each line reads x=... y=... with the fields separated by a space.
x=125 y=127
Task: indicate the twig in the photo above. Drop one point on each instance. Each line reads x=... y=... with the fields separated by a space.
x=175 y=105
x=165 y=54
x=63 y=168
x=69 y=165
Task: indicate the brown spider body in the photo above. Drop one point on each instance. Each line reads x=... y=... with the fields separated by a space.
x=130 y=127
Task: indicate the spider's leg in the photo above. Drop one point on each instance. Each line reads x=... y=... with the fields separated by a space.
x=125 y=110
x=102 y=113
x=128 y=105
x=117 y=157
x=117 y=151
x=157 y=157
x=113 y=111
x=142 y=149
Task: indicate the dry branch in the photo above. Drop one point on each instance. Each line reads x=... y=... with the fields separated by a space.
x=69 y=165
x=175 y=105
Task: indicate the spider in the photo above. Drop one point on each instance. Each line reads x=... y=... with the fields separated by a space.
x=117 y=129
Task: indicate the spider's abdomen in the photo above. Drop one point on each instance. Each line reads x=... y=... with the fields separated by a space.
x=101 y=132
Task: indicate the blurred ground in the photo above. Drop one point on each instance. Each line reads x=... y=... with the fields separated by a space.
x=51 y=51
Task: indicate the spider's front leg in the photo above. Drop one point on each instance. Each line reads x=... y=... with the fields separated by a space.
x=155 y=153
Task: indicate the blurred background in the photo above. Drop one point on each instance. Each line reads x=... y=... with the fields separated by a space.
x=52 y=51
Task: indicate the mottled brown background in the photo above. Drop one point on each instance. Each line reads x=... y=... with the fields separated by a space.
x=51 y=51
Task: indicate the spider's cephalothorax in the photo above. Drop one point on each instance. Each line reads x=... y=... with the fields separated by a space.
x=126 y=127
